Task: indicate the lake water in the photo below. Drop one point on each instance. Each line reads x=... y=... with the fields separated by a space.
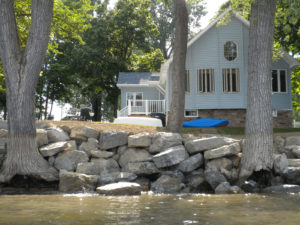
x=150 y=209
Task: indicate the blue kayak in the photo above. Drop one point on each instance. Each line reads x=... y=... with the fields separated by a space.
x=207 y=122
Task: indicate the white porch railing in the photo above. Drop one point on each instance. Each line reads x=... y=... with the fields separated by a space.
x=143 y=107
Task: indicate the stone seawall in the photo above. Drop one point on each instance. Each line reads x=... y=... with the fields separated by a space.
x=114 y=162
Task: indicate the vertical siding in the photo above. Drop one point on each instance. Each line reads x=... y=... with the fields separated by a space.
x=149 y=93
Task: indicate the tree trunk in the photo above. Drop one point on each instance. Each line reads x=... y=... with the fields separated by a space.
x=46 y=102
x=21 y=75
x=178 y=67
x=258 y=152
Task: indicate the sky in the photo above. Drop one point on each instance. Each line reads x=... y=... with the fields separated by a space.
x=212 y=7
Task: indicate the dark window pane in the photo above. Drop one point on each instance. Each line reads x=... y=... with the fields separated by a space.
x=274 y=81
x=230 y=50
x=233 y=76
x=282 y=81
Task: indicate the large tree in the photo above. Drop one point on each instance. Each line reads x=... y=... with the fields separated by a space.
x=21 y=68
x=258 y=151
x=178 y=66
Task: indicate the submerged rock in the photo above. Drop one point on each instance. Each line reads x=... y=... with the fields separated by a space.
x=121 y=188
x=284 y=188
x=226 y=188
x=167 y=184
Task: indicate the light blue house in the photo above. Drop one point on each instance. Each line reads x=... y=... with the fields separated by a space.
x=215 y=79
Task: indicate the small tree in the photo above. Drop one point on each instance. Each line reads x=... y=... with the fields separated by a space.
x=21 y=69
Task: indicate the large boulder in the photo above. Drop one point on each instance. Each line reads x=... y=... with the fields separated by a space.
x=112 y=139
x=294 y=162
x=218 y=164
x=296 y=151
x=134 y=155
x=195 y=180
x=53 y=149
x=226 y=188
x=162 y=141
x=97 y=166
x=292 y=175
x=44 y=125
x=75 y=182
x=141 y=140
x=83 y=133
x=170 y=157
x=284 y=188
x=113 y=177
x=293 y=140
x=90 y=145
x=121 y=188
x=71 y=145
x=191 y=163
x=226 y=150
x=41 y=137
x=214 y=178
x=141 y=168
x=280 y=163
x=56 y=135
x=200 y=145
x=68 y=160
x=167 y=184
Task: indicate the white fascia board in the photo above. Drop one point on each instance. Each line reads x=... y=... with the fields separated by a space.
x=132 y=85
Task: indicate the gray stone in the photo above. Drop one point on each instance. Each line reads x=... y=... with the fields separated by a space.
x=292 y=175
x=167 y=184
x=56 y=135
x=284 y=188
x=294 y=162
x=75 y=182
x=83 y=133
x=278 y=144
x=121 y=188
x=91 y=144
x=68 y=160
x=293 y=140
x=97 y=166
x=174 y=173
x=101 y=154
x=122 y=149
x=66 y=129
x=141 y=168
x=195 y=182
x=280 y=163
x=51 y=160
x=250 y=186
x=226 y=150
x=53 y=149
x=170 y=157
x=71 y=146
x=112 y=139
x=144 y=182
x=44 y=125
x=113 y=177
x=296 y=151
x=277 y=180
x=139 y=140
x=200 y=145
x=214 y=178
x=226 y=188
x=3 y=133
x=191 y=163
x=288 y=151
x=41 y=137
x=217 y=164
x=134 y=155
x=162 y=141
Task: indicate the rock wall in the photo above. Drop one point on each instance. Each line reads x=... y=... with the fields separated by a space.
x=163 y=163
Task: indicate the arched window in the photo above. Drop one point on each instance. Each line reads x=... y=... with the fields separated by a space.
x=230 y=50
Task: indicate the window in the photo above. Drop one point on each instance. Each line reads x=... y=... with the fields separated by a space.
x=230 y=50
x=135 y=98
x=187 y=81
x=279 y=81
x=231 y=80
x=191 y=113
x=206 y=80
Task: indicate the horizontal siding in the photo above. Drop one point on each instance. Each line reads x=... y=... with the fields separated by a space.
x=149 y=93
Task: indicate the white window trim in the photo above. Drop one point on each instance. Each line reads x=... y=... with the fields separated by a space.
x=238 y=81
x=237 y=51
x=278 y=82
x=212 y=83
x=135 y=94
x=191 y=110
x=189 y=82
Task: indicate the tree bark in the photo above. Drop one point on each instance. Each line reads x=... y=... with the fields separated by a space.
x=21 y=69
x=258 y=152
x=176 y=114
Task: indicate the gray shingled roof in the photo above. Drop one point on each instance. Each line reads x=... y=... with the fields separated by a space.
x=138 y=78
